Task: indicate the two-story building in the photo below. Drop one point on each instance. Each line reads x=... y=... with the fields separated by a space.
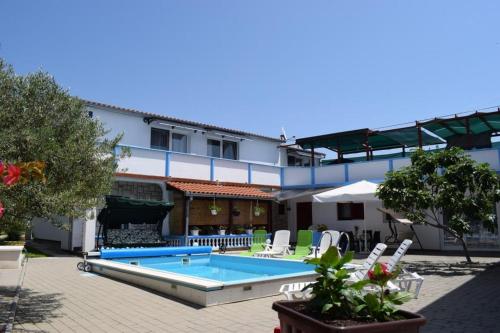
x=200 y=166
x=193 y=165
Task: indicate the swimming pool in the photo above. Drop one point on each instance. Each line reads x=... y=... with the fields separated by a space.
x=207 y=279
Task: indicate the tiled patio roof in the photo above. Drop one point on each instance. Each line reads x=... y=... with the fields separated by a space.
x=202 y=189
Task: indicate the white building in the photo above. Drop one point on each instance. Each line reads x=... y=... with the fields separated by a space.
x=176 y=160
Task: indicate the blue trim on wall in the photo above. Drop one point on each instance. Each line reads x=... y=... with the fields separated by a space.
x=313 y=176
x=282 y=176
x=249 y=173
x=167 y=164
x=212 y=169
x=346 y=173
x=391 y=165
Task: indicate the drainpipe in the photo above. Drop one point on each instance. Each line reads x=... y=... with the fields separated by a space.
x=186 y=222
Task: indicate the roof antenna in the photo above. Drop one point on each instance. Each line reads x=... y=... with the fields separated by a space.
x=283 y=137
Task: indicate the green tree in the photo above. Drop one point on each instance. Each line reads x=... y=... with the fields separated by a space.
x=445 y=183
x=40 y=121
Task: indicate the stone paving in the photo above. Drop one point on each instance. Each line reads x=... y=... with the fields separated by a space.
x=58 y=298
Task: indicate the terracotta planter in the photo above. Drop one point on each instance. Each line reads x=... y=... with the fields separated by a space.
x=294 y=321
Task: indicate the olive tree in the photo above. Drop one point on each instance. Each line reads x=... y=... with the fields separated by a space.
x=448 y=184
x=40 y=121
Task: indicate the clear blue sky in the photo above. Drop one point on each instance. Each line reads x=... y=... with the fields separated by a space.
x=313 y=67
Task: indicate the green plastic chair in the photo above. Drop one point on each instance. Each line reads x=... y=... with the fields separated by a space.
x=304 y=244
x=258 y=243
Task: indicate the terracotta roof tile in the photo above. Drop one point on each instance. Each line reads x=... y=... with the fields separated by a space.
x=221 y=190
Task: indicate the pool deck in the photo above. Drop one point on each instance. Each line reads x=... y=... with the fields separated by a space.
x=58 y=298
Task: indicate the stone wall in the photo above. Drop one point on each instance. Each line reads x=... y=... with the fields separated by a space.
x=145 y=191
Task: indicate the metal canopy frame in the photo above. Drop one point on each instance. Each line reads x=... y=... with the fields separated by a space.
x=431 y=132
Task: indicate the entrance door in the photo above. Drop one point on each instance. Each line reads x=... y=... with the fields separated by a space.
x=304 y=215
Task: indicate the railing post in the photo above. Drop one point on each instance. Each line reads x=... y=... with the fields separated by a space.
x=249 y=173
x=282 y=176
x=313 y=176
x=346 y=173
x=212 y=169
x=167 y=163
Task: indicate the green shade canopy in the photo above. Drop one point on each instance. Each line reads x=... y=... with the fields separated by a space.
x=355 y=141
x=478 y=123
x=122 y=210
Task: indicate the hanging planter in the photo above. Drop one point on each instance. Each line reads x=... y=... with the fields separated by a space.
x=236 y=211
x=258 y=211
x=214 y=209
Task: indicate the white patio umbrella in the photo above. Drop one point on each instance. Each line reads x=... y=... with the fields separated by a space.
x=363 y=191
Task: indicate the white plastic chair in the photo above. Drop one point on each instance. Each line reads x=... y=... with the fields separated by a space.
x=280 y=246
x=328 y=238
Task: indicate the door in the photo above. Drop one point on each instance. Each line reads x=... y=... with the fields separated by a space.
x=304 y=215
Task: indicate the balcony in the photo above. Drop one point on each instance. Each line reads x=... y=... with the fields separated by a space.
x=154 y=162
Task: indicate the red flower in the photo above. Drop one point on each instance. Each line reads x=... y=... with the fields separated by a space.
x=14 y=173
x=2 y=210
x=379 y=273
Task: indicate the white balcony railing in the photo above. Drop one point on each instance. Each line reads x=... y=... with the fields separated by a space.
x=155 y=162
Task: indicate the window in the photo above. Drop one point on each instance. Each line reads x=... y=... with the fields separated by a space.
x=350 y=211
x=179 y=143
x=230 y=150
x=213 y=148
x=160 y=139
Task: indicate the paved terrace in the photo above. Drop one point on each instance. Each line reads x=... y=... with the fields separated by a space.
x=58 y=298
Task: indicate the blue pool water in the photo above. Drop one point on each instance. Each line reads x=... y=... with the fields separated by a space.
x=225 y=268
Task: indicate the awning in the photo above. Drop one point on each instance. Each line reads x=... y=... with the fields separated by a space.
x=394 y=215
x=356 y=141
x=476 y=123
x=359 y=191
x=294 y=194
x=197 y=189
x=119 y=210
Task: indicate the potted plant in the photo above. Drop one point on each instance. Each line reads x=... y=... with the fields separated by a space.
x=338 y=305
x=236 y=211
x=248 y=229
x=195 y=231
x=237 y=229
x=258 y=211
x=214 y=209
x=222 y=230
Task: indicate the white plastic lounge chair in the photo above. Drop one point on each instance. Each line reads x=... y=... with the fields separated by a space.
x=294 y=290
x=280 y=246
x=400 y=252
x=361 y=272
x=406 y=279
x=328 y=238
